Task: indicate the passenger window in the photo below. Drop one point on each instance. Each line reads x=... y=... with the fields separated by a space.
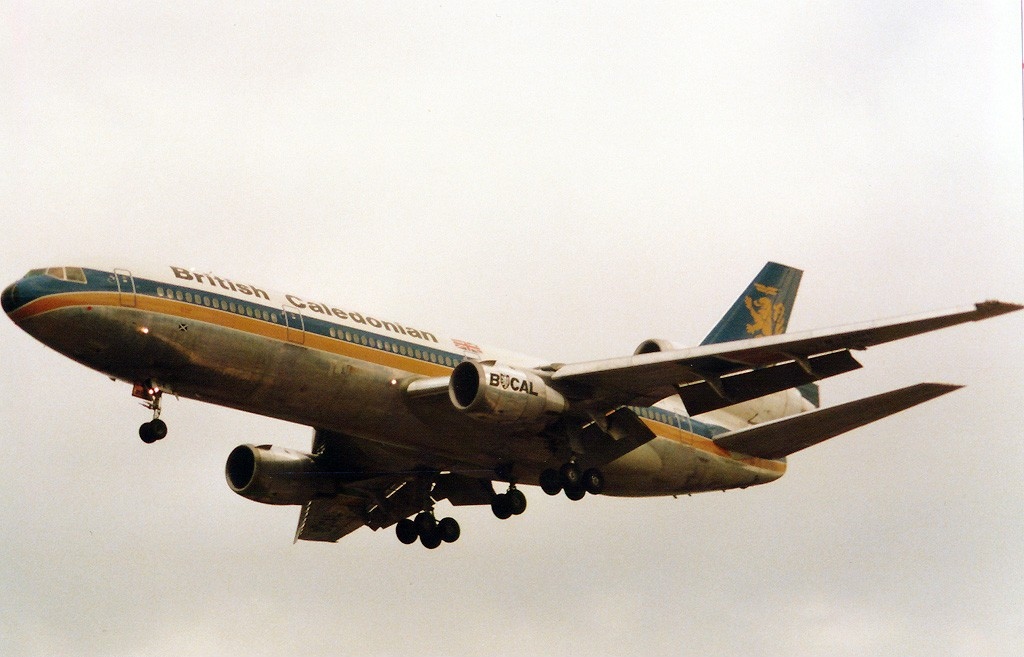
x=231 y=306
x=206 y=301
x=248 y=311
x=188 y=297
x=159 y=291
x=178 y=295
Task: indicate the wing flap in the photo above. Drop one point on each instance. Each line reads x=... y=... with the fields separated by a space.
x=774 y=440
x=702 y=396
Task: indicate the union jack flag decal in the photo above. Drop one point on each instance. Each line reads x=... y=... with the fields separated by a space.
x=466 y=346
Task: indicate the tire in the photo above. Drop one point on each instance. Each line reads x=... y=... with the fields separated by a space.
x=550 y=482
x=516 y=501
x=146 y=433
x=575 y=493
x=425 y=523
x=501 y=507
x=570 y=475
x=593 y=481
x=449 y=530
x=431 y=539
x=406 y=531
x=159 y=429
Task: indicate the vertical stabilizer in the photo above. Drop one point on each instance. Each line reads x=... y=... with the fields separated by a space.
x=762 y=309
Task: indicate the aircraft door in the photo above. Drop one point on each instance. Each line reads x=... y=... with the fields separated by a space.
x=125 y=287
x=294 y=321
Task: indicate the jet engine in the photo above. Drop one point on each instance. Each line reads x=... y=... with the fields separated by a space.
x=274 y=475
x=654 y=345
x=498 y=393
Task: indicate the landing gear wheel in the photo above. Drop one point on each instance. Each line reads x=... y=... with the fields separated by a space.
x=431 y=539
x=570 y=474
x=449 y=530
x=425 y=523
x=575 y=493
x=150 y=432
x=406 y=531
x=516 y=501
x=551 y=482
x=501 y=507
x=593 y=481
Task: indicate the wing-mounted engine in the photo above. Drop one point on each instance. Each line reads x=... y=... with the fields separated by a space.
x=275 y=475
x=498 y=393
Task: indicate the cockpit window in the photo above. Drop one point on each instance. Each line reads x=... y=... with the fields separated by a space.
x=73 y=274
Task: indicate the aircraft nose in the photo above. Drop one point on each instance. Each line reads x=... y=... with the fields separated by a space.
x=9 y=297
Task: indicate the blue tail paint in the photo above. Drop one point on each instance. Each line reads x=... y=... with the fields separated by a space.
x=763 y=309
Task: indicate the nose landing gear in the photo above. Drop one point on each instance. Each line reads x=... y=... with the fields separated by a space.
x=155 y=429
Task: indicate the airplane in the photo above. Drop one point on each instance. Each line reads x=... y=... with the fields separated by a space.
x=404 y=418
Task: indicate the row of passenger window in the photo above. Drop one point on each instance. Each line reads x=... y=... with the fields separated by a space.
x=219 y=304
x=340 y=334
x=657 y=415
x=393 y=347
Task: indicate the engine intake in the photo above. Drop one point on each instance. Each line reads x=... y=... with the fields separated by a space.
x=654 y=345
x=499 y=393
x=274 y=475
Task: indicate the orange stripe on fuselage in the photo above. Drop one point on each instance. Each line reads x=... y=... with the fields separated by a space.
x=703 y=444
x=227 y=319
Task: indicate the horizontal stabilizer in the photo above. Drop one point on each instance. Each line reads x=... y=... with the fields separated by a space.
x=774 y=440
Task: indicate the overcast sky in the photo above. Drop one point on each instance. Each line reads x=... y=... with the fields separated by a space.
x=560 y=179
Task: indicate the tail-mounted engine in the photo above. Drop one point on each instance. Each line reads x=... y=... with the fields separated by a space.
x=498 y=393
x=654 y=345
x=275 y=475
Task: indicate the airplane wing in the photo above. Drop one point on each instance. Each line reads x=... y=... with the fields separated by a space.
x=774 y=440
x=380 y=487
x=715 y=375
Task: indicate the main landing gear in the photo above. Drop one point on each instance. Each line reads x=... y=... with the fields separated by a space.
x=506 y=505
x=155 y=429
x=570 y=478
x=430 y=531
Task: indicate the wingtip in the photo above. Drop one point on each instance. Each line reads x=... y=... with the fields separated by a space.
x=943 y=388
x=993 y=308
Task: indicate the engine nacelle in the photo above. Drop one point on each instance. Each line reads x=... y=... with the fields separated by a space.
x=654 y=345
x=500 y=393
x=273 y=475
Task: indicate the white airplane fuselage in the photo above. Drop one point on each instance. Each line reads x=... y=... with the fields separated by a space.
x=332 y=367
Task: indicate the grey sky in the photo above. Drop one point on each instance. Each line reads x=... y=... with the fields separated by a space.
x=560 y=179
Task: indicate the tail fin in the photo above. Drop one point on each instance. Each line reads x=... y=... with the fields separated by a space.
x=762 y=309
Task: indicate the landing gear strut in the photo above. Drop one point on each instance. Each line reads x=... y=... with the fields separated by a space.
x=155 y=429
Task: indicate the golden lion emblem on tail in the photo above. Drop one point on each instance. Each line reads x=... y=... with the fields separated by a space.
x=769 y=317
